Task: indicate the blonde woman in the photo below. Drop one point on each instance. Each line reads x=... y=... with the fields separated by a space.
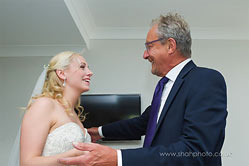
x=50 y=124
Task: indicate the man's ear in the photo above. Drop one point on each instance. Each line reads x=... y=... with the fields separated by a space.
x=171 y=46
x=60 y=73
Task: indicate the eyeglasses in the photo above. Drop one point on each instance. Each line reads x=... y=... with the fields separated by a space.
x=153 y=41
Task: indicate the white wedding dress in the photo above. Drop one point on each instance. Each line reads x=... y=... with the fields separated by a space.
x=60 y=140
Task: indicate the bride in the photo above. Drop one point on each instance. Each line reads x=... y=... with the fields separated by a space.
x=50 y=124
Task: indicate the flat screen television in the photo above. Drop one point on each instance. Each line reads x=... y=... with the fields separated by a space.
x=101 y=109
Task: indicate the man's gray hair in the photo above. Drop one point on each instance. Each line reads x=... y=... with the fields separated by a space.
x=174 y=26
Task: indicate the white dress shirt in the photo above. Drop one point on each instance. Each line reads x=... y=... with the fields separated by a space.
x=171 y=75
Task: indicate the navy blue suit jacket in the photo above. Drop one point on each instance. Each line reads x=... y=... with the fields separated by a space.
x=191 y=127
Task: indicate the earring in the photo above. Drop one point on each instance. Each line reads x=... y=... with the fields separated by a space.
x=64 y=83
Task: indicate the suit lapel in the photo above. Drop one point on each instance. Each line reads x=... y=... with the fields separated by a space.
x=179 y=81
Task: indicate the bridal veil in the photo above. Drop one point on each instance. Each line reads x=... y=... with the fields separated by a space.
x=15 y=151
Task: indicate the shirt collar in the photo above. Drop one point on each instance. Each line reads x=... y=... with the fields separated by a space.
x=173 y=73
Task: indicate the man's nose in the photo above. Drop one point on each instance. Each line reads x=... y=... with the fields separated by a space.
x=146 y=55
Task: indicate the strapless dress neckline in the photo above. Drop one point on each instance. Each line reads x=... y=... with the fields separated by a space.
x=60 y=140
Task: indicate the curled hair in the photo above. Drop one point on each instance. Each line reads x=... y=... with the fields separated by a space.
x=174 y=26
x=53 y=86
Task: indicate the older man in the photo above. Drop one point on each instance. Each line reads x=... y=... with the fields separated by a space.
x=185 y=123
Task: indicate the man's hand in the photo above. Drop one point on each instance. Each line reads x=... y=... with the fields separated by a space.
x=98 y=155
x=94 y=133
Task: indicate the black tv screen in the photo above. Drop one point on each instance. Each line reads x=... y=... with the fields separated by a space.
x=101 y=109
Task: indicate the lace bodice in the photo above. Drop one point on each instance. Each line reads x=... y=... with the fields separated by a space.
x=60 y=140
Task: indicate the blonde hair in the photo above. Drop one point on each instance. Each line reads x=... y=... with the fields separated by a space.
x=53 y=86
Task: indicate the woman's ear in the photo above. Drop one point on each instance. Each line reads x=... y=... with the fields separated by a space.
x=60 y=73
x=171 y=46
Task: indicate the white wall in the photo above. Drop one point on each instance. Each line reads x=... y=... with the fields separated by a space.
x=231 y=59
x=119 y=68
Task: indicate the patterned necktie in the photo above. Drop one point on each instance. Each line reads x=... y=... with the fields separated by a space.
x=156 y=101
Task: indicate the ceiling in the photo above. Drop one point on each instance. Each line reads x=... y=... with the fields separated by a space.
x=37 y=22
x=70 y=22
x=130 y=19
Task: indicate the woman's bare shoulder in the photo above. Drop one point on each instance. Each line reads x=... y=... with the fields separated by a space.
x=43 y=104
x=41 y=110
